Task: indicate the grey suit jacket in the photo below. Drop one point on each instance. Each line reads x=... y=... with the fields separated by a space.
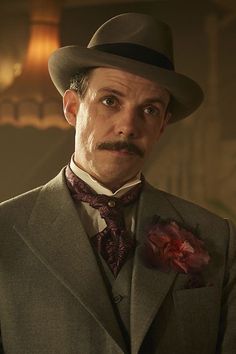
x=53 y=298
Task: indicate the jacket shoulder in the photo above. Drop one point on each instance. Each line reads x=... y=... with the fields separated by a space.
x=192 y=213
x=24 y=203
x=188 y=206
x=18 y=205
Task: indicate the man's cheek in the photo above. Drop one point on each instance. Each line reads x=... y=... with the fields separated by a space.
x=90 y=142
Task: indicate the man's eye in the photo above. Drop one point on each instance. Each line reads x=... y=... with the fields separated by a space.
x=109 y=101
x=151 y=110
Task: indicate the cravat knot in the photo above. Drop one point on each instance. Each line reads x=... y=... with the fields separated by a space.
x=113 y=243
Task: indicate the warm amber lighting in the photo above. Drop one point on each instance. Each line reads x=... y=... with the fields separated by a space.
x=6 y=73
x=44 y=40
x=32 y=98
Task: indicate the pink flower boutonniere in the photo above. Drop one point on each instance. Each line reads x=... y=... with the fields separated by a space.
x=170 y=245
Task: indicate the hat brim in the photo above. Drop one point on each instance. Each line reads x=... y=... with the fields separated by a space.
x=66 y=61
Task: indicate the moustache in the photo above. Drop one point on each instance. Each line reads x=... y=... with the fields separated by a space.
x=121 y=145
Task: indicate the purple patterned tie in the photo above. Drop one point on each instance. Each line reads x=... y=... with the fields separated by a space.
x=113 y=243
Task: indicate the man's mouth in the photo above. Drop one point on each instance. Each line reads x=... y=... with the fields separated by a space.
x=121 y=146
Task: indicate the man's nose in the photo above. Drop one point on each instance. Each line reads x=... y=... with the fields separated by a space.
x=127 y=124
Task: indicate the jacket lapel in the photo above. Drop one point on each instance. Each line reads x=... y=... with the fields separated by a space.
x=56 y=236
x=149 y=285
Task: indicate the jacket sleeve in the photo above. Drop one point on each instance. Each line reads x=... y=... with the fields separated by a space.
x=227 y=334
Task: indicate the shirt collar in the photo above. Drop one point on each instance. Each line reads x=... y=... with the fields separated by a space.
x=100 y=189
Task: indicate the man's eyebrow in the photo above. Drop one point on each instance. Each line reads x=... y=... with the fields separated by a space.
x=111 y=91
x=155 y=100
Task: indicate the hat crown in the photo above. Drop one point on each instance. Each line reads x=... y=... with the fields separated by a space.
x=134 y=28
x=135 y=43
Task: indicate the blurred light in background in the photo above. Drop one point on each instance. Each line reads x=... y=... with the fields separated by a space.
x=31 y=99
x=9 y=70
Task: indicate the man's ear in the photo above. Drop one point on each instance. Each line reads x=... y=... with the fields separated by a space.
x=70 y=106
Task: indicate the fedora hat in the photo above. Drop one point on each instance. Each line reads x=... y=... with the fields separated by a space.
x=136 y=43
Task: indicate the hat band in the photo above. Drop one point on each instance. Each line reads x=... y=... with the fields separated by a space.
x=136 y=52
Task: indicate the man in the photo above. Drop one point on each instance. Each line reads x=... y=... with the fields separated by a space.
x=97 y=260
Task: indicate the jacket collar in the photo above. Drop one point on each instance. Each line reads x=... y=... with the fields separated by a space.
x=56 y=236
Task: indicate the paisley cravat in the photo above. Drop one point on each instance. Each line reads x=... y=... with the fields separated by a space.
x=113 y=243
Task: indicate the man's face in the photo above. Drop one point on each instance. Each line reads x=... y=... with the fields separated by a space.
x=117 y=122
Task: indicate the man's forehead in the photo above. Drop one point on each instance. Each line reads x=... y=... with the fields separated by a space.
x=109 y=77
